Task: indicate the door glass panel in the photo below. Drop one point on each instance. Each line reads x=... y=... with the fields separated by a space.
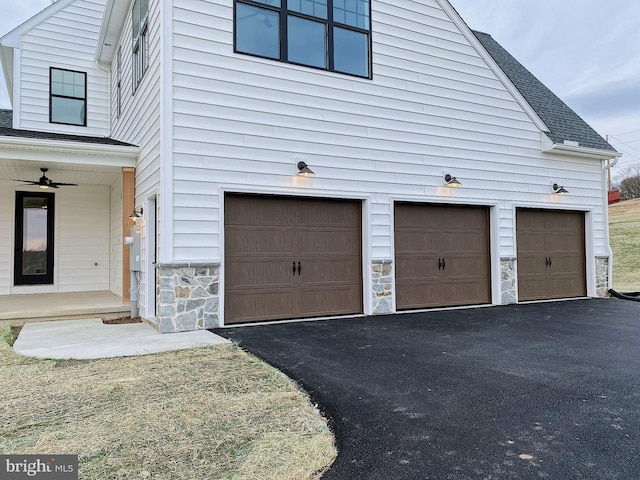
x=34 y=236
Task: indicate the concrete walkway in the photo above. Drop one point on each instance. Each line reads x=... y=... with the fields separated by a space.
x=90 y=338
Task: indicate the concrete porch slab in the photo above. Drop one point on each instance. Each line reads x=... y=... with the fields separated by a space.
x=19 y=309
x=91 y=339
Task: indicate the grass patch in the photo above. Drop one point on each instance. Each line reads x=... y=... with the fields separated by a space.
x=624 y=231
x=205 y=413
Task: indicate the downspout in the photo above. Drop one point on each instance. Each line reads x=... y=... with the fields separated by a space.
x=108 y=72
x=607 y=165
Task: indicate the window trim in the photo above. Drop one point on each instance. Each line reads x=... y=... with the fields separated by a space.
x=51 y=95
x=140 y=47
x=284 y=12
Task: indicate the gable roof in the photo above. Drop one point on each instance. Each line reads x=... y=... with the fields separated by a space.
x=7 y=130
x=563 y=123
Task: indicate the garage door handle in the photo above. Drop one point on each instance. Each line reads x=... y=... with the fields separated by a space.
x=439 y=264
x=294 y=269
x=550 y=261
x=299 y=268
x=444 y=264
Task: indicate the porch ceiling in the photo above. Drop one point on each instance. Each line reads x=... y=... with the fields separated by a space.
x=60 y=172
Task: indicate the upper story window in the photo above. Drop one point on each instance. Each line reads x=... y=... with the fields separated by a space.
x=333 y=35
x=140 y=35
x=119 y=83
x=67 y=97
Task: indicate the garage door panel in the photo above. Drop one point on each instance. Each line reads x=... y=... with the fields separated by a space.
x=255 y=241
x=329 y=300
x=266 y=236
x=249 y=273
x=269 y=211
x=470 y=266
x=551 y=254
x=428 y=235
x=256 y=305
x=338 y=271
x=331 y=242
x=416 y=242
x=471 y=242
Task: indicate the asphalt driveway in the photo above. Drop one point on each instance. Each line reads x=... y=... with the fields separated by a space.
x=547 y=390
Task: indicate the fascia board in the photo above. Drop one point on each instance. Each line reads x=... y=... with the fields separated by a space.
x=6 y=60
x=466 y=31
x=115 y=14
x=577 y=151
x=17 y=148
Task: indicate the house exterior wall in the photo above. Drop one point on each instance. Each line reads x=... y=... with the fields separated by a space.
x=434 y=106
x=116 y=240
x=81 y=246
x=65 y=40
x=139 y=123
x=6 y=240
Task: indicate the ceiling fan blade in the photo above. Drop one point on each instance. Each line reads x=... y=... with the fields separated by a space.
x=31 y=182
x=58 y=184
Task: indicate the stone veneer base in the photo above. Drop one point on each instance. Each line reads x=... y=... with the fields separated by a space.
x=382 y=285
x=188 y=297
x=508 y=280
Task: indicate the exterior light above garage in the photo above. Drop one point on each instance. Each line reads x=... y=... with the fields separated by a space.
x=304 y=170
x=559 y=189
x=451 y=182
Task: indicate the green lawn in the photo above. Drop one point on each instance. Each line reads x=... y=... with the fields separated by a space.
x=624 y=226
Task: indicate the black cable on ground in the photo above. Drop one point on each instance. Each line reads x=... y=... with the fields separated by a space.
x=633 y=296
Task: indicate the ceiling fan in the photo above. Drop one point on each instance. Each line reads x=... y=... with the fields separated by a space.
x=45 y=182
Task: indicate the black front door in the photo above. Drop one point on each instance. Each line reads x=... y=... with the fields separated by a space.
x=33 y=262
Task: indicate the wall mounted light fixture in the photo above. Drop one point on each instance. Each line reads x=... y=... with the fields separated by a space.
x=451 y=182
x=304 y=170
x=559 y=189
x=136 y=214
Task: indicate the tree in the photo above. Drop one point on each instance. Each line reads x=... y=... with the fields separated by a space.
x=630 y=183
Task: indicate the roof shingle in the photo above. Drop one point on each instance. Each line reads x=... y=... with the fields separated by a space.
x=7 y=130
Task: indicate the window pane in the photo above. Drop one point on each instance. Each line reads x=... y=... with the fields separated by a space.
x=135 y=19
x=273 y=3
x=307 y=44
x=352 y=12
x=56 y=75
x=34 y=236
x=56 y=88
x=314 y=8
x=67 y=110
x=257 y=31
x=351 y=52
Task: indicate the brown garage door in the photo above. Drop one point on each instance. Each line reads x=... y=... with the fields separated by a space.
x=442 y=255
x=551 y=254
x=291 y=258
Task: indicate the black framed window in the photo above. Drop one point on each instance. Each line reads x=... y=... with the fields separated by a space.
x=119 y=83
x=140 y=36
x=67 y=97
x=332 y=35
x=34 y=237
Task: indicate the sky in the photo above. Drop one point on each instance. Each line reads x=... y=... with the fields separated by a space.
x=585 y=51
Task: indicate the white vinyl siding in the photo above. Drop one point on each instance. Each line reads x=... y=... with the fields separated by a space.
x=116 y=239
x=66 y=40
x=433 y=106
x=139 y=120
x=81 y=239
x=6 y=240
